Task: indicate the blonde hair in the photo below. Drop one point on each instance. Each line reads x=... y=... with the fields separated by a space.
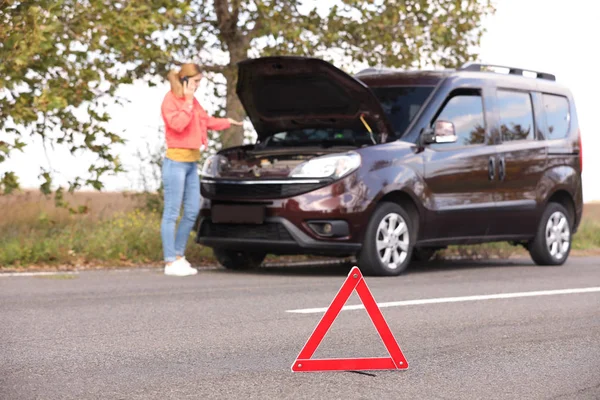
x=175 y=77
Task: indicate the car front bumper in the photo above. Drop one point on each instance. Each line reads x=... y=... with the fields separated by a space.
x=276 y=235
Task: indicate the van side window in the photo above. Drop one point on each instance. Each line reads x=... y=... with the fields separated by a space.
x=515 y=111
x=465 y=111
x=558 y=117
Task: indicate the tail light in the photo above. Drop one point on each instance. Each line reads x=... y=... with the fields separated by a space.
x=580 y=153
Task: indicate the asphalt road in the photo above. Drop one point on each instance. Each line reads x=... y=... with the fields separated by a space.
x=223 y=335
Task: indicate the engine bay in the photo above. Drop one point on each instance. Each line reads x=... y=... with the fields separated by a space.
x=248 y=162
x=277 y=155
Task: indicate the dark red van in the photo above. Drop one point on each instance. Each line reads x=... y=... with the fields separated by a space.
x=388 y=165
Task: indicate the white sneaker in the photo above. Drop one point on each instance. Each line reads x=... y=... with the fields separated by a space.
x=180 y=268
x=186 y=262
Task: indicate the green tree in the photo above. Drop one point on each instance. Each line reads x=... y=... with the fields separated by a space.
x=62 y=62
x=394 y=33
x=66 y=51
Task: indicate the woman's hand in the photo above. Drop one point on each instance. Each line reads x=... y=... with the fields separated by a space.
x=188 y=91
x=234 y=122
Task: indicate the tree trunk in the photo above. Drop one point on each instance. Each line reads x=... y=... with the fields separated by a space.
x=238 y=51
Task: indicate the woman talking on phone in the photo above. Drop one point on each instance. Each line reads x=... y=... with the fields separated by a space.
x=186 y=126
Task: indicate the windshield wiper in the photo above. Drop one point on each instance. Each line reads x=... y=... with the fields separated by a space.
x=319 y=143
x=333 y=142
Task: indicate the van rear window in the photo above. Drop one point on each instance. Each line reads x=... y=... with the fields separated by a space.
x=516 y=115
x=556 y=109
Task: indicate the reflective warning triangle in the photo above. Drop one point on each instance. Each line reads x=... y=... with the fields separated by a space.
x=396 y=360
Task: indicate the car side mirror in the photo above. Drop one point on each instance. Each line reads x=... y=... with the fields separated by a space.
x=442 y=132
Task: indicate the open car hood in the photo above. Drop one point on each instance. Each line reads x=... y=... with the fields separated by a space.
x=283 y=93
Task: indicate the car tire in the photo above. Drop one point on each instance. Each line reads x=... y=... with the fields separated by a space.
x=239 y=260
x=552 y=243
x=377 y=248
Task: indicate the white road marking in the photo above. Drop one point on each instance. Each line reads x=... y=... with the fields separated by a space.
x=7 y=274
x=115 y=270
x=454 y=299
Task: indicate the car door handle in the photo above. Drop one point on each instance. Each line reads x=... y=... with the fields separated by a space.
x=502 y=168
x=492 y=168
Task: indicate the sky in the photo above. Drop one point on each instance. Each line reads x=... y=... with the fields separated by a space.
x=532 y=34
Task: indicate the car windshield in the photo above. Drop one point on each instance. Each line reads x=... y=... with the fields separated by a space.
x=325 y=137
x=400 y=104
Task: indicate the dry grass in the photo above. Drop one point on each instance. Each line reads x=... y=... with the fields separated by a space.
x=591 y=212
x=28 y=207
x=34 y=231
x=587 y=239
x=118 y=230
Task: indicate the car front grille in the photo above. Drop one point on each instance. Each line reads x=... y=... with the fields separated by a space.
x=257 y=191
x=268 y=231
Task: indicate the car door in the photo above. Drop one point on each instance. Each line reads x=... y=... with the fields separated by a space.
x=459 y=175
x=521 y=161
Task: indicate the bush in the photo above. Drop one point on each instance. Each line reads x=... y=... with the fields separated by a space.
x=126 y=238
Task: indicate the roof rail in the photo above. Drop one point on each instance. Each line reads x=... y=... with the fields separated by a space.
x=471 y=66
x=381 y=70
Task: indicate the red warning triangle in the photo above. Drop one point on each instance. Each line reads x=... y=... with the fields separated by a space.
x=396 y=360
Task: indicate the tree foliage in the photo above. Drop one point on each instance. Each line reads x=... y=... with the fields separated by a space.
x=63 y=55
x=62 y=62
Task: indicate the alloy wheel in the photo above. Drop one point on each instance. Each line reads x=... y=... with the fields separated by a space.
x=392 y=240
x=558 y=235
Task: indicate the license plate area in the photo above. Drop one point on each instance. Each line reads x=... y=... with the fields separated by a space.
x=237 y=214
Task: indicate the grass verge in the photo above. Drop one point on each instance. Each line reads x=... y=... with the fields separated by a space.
x=129 y=235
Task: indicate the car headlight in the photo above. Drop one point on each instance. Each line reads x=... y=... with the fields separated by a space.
x=330 y=166
x=212 y=166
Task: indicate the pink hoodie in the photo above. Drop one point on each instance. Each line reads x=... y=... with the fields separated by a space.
x=186 y=126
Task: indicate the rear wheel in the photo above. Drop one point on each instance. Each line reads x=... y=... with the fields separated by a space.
x=552 y=243
x=388 y=243
x=239 y=260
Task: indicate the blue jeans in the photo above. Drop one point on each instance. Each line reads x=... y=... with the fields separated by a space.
x=181 y=184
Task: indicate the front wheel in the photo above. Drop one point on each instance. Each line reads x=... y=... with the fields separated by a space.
x=388 y=243
x=552 y=243
x=239 y=260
